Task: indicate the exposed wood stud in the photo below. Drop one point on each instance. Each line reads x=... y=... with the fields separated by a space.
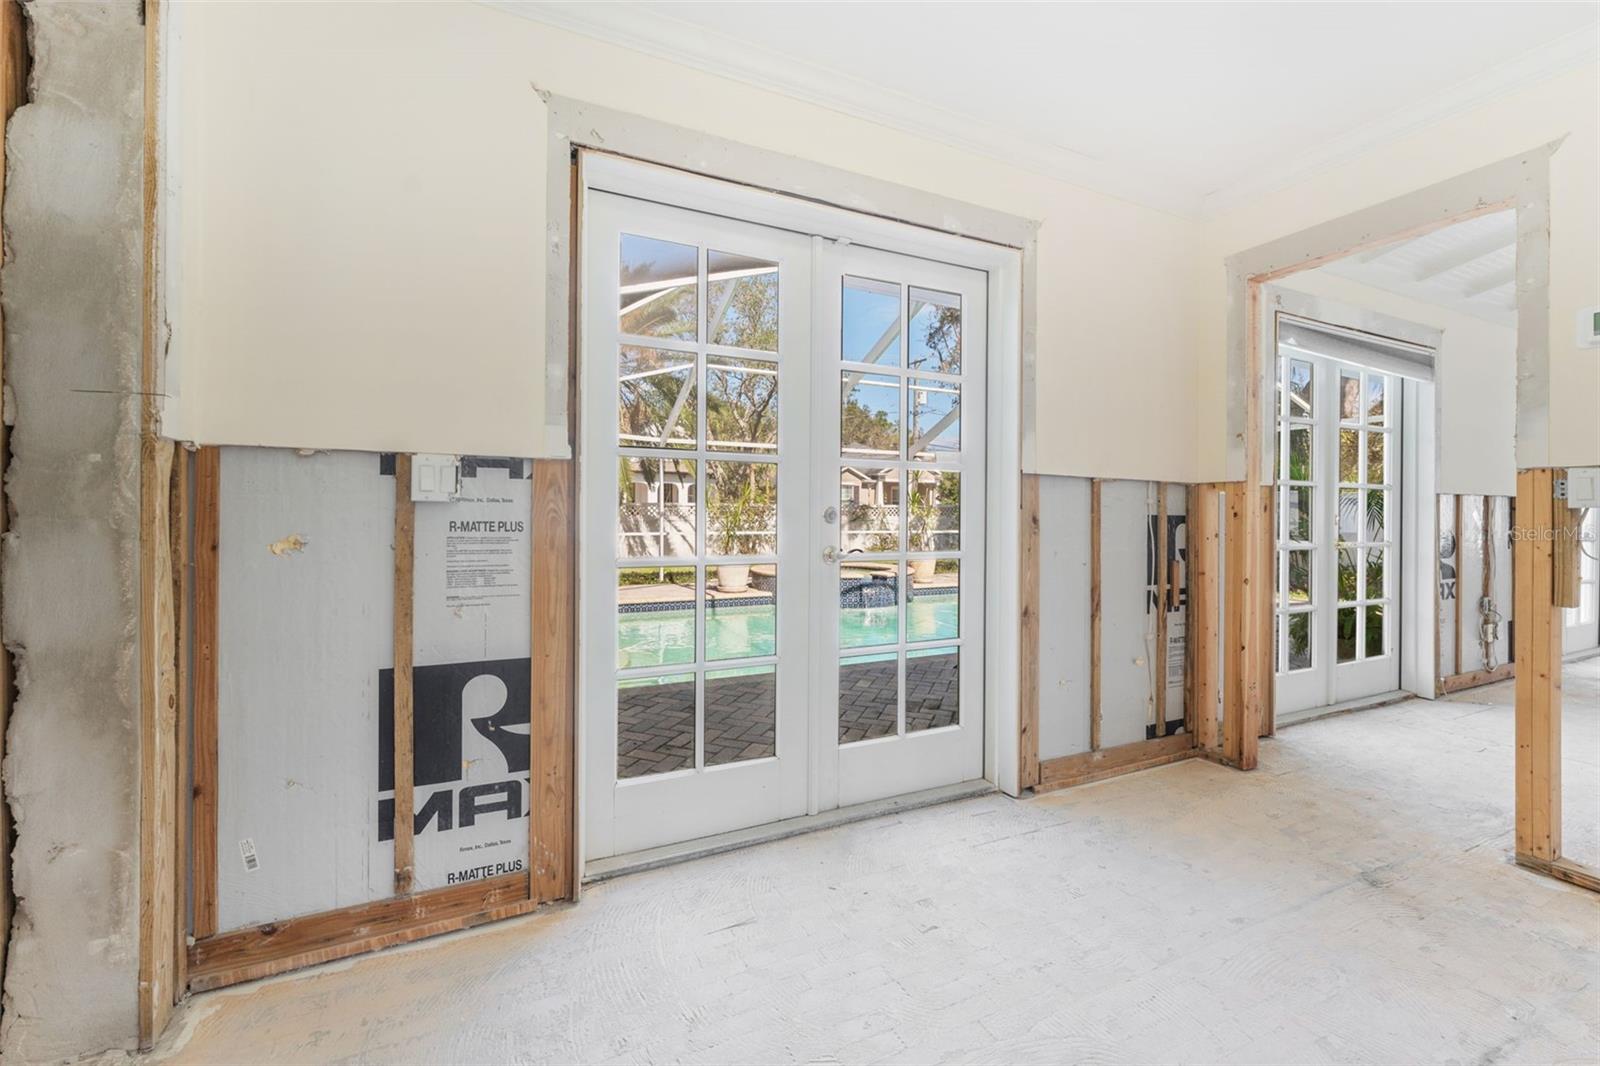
x=207 y=528
x=404 y=604
x=1233 y=626
x=1538 y=642
x=1161 y=582
x=553 y=725
x=183 y=582
x=1565 y=547
x=1094 y=615
x=1028 y=673
x=1204 y=590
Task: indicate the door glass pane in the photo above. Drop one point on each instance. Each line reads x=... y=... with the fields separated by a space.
x=869 y=603
x=655 y=398
x=1375 y=567
x=935 y=511
x=934 y=334
x=1349 y=397
x=1300 y=467
x=869 y=418
x=1300 y=641
x=655 y=616
x=1298 y=529
x=1375 y=641
x=1375 y=390
x=655 y=725
x=741 y=508
x=1375 y=458
x=741 y=610
x=869 y=509
x=656 y=502
x=1350 y=456
x=742 y=301
x=1347 y=634
x=741 y=714
x=1376 y=512
x=741 y=404
x=1349 y=513
x=869 y=697
x=935 y=432
x=1348 y=591
x=870 y=322
x=659 y=288
x=1299 y=577
x=933 y=688
x=933 y=600
x=1300 y=389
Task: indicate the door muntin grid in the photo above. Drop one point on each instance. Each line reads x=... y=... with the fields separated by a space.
x=697 y=450
x=900 y=459
x=1299 y=471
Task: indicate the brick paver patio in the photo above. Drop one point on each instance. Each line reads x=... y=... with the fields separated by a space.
x=655 y=723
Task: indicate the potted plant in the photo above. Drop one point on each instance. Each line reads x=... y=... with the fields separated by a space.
x=733 y=514
x=924 y=515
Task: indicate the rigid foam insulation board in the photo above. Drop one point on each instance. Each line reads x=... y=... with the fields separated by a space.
x=1449 y=560
x=1485 y=619
x=1131 y=666
x=305 y=575
x=305 y=658
x=1063 y=616
x=472 y=678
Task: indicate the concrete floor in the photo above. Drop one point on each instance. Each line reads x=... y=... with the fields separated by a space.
x=1350 y=901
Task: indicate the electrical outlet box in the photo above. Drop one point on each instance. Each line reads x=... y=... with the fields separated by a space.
x=1583 y=486
x=435 y=478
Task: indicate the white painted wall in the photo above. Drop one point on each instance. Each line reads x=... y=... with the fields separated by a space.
x=1475 y=372
x=1563 y=106
x=361 y=235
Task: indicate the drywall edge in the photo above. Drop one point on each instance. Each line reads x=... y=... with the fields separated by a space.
x=1521 y=180
x=576 y=124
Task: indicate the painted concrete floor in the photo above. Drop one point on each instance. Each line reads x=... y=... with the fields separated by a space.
x=1349 y=902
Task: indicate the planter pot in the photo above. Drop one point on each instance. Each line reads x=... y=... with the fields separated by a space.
x=733 y=577
x=922 y=570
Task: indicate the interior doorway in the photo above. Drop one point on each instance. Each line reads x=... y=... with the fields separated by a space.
x=783 y=476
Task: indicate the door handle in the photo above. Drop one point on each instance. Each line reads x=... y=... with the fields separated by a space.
x=830 y=555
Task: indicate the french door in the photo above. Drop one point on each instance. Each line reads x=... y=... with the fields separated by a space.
x=781 y=541
x=1338 y=573
x=1581 y=624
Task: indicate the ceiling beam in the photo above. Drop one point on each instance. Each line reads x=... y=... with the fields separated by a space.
x=1470 y=252
x=1495 y=279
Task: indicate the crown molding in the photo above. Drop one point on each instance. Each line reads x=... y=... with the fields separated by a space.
x=643 y=29
x=1537 y=64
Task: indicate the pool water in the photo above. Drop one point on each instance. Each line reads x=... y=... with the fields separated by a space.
x=664 y=638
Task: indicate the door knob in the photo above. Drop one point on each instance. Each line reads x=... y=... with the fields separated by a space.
x=830 y=555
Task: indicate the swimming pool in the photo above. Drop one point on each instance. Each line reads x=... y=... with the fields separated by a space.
x=663 y=638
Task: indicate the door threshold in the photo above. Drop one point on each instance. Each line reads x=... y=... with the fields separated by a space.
x=1365 y=703
x=668 y=854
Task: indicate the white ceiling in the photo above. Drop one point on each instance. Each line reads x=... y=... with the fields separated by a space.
x=1470 y=267
x=1182 y=106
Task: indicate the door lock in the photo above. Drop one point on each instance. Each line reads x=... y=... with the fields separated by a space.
x=830 y=555
x=830 y=515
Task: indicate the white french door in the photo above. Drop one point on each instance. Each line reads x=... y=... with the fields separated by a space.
x=1338 y=573
x=898 y=476
x=761 y=404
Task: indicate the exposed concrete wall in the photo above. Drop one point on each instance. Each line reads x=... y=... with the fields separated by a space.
x=71 y=289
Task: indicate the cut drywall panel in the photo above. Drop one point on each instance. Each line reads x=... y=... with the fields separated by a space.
x=305 y=627
x=1132 y=665
x=1063 y=616
x=471 y=680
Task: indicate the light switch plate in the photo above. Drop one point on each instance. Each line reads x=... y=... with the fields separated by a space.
x=435 y=478
x=1583 y=486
